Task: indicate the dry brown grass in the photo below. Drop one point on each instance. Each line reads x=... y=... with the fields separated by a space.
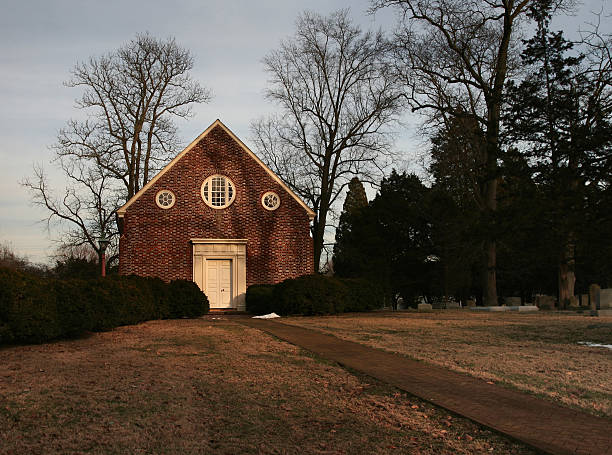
x=532 y=352
x=211 y=386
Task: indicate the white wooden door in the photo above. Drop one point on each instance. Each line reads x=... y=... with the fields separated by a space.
x=219 y=283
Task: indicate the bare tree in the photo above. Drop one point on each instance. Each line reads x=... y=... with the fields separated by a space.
x=337 y=96
x=11 y=260
x=86 y=210
x=131 y=96
x=80 y=253
x=454 y=57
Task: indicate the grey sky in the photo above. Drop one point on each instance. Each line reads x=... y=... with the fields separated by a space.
x=40 y=41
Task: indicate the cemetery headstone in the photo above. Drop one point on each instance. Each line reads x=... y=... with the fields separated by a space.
x=512 y=301
x=594 y=296
x=605 y=299
x=584 y=300
x=545 y=302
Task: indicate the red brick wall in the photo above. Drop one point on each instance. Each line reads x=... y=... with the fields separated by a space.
x=155 y=242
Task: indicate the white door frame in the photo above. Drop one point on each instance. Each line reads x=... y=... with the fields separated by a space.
x=232 y=249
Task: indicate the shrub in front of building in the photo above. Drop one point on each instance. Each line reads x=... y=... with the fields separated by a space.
x=314 y=295
x=28 y=309
x=120 y=301
x=72 y=302
x=310 y=295
x=259 y=299
x=187 y=300
x=35 y=309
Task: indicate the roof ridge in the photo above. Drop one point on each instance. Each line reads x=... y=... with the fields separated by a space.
x=121 y=210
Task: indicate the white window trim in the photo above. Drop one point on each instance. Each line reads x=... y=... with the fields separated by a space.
x=208 y=181
x=165 y=207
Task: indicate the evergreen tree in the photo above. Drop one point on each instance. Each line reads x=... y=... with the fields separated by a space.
x=460 y=227
x=356 y=199
x=560 y=116
x=389 y=241
x=527 y=262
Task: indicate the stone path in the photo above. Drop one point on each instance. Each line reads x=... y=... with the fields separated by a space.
x=539 y=423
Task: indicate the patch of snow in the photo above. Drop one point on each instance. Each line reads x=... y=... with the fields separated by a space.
x=267 y=316
x=595 y=345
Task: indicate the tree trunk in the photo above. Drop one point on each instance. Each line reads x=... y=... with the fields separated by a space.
x=492 y=153
x=321 y=220
x=567 y=275
x=100 y=265
x=318 y=235
x=490 y=281
x=317 y=240
x=490 y=209
x=567 y=279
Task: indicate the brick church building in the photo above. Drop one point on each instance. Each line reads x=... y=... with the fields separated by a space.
x=218 y=216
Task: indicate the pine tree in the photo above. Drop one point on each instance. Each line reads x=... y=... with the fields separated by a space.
x=344 y=253
x=355 y=197
x=560 y=115
x=389 y=240
x=460 y=228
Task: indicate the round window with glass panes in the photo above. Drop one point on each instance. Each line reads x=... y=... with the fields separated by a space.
x=218 y=191
x=270 y=200
x=165 y=199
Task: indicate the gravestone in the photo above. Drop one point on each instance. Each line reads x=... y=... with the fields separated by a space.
x=493 y=309
x=512 y=301
x=452 y=305
x=594 y=296
x=605 y=299
x=424 y=307
x=545 y=302
x=470 y=303
x=400 y=304
x=527 y=308
x=584 y=300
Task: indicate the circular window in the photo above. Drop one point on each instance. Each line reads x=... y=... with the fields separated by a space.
x=270 y=200
x=165 y=199
x=218 y=191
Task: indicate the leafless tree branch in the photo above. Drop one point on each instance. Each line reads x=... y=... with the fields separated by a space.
x=337 y=96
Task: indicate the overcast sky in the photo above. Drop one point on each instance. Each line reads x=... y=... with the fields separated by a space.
x=40 y=41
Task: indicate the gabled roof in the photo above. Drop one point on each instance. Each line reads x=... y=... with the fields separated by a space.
x=121 y=211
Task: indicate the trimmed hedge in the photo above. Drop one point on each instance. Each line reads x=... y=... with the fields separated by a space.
x=259 y=299
x=35 y=309
x=187 y=300
x=312 y=295
x=28 y=310
x=309 y=295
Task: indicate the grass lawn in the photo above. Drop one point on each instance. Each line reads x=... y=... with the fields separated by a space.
x=538 y=353
x=213 y=386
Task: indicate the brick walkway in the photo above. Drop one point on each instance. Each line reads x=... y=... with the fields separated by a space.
x=539 y=423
